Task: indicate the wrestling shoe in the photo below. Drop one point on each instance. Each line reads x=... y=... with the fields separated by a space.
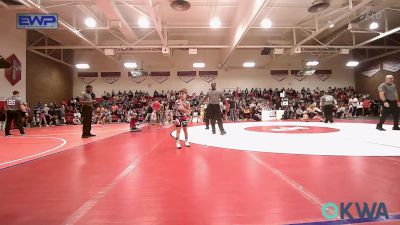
x=187 y=144
x=178 y=145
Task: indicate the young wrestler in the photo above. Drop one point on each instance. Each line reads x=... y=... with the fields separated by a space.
x=311 y=113
x=182 y=112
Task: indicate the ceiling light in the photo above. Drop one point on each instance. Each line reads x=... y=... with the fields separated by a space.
x=331 y=24
x=249 y=64
x=373 y=25
x=215 y=22
x=143 y=22
x=352 y=63
x=266 y=23
x=130 y=65
x=82 y=66
x=199 y=65
x=90 y=22
x=312 y=63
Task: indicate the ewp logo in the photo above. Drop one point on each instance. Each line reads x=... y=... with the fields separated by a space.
x=37 y=21
x=364 y=211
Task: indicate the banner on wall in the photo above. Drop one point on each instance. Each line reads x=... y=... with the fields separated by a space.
x=138 y=76
x=186 y=76
x=208 y=76
x=323 y=74
x=13 y=73
x=372 y=70
x=110 y=77
x=279 y=75
x=392 y=65
x=297 y=75
x=37 y=21
x=88 y=77
x=160 y=76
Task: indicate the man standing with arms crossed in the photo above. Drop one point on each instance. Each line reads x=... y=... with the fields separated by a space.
x=15 y=110
x=213 y=109
x=87 y=103
x=389 y=96
x=327 y=102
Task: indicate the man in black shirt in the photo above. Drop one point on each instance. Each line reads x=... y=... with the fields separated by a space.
x=232 y=108
x=87 y=110
x=213 y=109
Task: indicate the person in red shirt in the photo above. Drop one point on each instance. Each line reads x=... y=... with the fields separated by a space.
x=367 y=106
x=156 y=108
x=114 y=108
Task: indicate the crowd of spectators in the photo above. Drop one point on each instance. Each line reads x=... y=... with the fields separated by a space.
x=158 y=107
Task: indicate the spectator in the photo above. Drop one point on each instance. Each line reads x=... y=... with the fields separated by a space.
x=62 y=114
x=77 y=118
x=245 y=105
x=360 y=107
x=367 y=107
x=156 y=107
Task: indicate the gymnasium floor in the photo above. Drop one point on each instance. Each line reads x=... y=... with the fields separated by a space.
x=259 y=173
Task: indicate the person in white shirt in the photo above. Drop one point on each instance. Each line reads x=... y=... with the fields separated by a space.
x=77 y=118
x=299 y=113
x=353 y=103
x=360 y=108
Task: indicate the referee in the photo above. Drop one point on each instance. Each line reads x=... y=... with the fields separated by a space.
x=213 y=108
x=15 y=109
x=327 y=102
x=87 y=102
x=388 y=95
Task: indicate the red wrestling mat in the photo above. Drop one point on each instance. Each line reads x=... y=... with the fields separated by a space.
x=40 y=142
x=141 y=178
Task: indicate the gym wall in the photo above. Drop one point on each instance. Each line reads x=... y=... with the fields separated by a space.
x=234 y=76
x=370 y=84
x=48 y=81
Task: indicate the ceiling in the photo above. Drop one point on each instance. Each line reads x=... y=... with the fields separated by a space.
x=292 y=26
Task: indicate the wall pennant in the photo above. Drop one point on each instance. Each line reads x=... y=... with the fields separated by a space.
x=371 y=71
x=13 y=73
x=279 y=75
x=186 y=76
x=208 y=76
x=392 y=65
x=323 y=74
x=160 y=77
x=138 y=76
x=110 y=77
x=297 y=75
x=88 y=77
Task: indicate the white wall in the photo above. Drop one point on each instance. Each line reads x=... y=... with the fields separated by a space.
x=229 y=79
x=12 y=41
